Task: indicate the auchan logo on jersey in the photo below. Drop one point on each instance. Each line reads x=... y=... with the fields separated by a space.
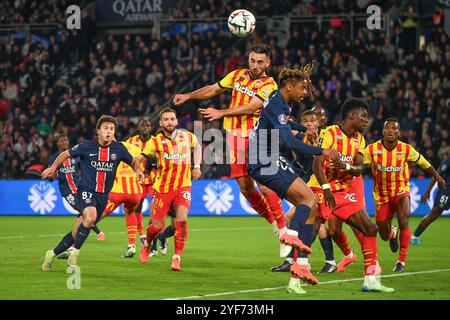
x=243 y=90
x=175 y=156
x=388 y=169
x=346 y=158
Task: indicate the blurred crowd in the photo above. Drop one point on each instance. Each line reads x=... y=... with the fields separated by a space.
x=54 y=87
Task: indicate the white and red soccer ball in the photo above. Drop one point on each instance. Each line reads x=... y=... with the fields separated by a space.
x=241 y=22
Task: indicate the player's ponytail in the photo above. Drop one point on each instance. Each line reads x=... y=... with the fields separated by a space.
x=293 y=75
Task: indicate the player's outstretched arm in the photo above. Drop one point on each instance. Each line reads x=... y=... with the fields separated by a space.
x=427 y=193
x=63 y=156
x=432 y=172
x=203 y=93
x=136 y=165
x=247 y=109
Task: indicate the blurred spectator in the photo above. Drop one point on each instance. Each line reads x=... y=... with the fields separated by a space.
x=47 y=90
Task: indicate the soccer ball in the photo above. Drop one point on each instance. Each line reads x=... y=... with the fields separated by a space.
x=241 y=22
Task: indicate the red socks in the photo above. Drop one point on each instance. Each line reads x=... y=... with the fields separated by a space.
x=277 y=210
x=152 y=233
x=181 y=234
x=359 y=236
x=405 y=236
x=260 y=204
x=131 y=221
x=140 y=225
x=343 y=243
x=369 y=250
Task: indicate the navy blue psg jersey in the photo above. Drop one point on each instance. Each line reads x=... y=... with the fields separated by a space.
x=444 y=171
x=99 y=164
x=68 y=178
x=275 y=115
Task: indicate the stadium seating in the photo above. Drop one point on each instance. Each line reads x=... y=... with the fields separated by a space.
x=49 y=86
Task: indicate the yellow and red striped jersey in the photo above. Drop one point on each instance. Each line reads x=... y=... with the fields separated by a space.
x=348 y=148
x=390 y=168
x=244 y=89
x=136 y=140
x=174 y=159
x=126 y=180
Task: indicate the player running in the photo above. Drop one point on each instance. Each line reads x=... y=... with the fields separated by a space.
x=68 y=179
x=126 y=190
x=388 y=159
x=279 y=175
x=140 y=140
x=172 y=147
x=100 y=159
x=441 y=201
x=250 y=87
x=339 y=193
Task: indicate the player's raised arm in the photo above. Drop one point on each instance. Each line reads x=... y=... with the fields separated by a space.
x=203 y=93
x=247 y=109
x=63 y=156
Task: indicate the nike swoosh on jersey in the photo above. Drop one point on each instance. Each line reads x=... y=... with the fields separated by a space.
x=92 y=154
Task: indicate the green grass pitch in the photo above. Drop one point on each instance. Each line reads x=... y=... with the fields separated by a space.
x=224 y=257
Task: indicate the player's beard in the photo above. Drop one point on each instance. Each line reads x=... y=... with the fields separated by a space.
x=257 y=73
x=169 y=130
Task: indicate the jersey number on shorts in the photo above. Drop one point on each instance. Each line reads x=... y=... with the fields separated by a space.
x=443 y=200
x=87 y=197
x=70 y=199
x=158 y=203
x=282 y=163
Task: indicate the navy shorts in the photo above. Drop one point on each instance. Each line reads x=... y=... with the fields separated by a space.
x=72 y=199
x=442 y=200
x=280 y=180
x=87 y=198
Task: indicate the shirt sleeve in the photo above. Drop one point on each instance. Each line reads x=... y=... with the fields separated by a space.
x=78 y=151
x=279 y=120
x=150 y=149
x=228 y=81
x=325 y=139
x=194 y=141
x=416 y=157
x=367 y=158
x=297 y=126
x=266 y=89
x=126 y=155
x=362 y=144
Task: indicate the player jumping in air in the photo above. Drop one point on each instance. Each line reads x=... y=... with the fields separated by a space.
x=388 y=159
x=172 y=147
x=276 y=171
x=100 y=159
x=250 y=87
x=340 y=190
x=314 y=119
x=441 y=201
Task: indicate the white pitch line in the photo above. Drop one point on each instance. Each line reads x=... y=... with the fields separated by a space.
x=284 y=287
x=119 y=233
